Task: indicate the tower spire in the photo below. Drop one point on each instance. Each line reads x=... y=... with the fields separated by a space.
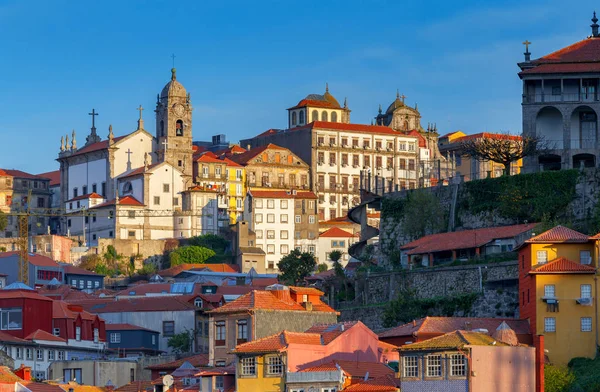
x=111 y=136
x=594 y=25
x=326 y=87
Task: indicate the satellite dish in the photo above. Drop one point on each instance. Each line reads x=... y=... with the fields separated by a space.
x=167 y=380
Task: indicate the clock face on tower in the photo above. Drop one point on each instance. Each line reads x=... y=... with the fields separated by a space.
x=178 y=109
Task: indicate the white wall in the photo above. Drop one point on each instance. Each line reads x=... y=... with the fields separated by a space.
x=87 y=173
x=138 y=144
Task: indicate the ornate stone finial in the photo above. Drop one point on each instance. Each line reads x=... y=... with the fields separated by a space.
x=371 y=121
x=379 y=108
x=66 y=142
x=141 y=120
x=594 y=26
x=416 y=106
x=345 y=103
x=188 y=98
x=173 y=74
x=62 y=143
x=73 y=141
x=326 y=87
x=111 y=136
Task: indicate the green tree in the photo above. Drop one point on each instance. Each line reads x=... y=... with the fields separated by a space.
x=557 y=379
x=335 y=255
x=211 y=241
x=423 y=214
x=190 y=255
x=296 y=266
x=3 y=221
x=322 y=267
x=181 y=342
x=147 y=270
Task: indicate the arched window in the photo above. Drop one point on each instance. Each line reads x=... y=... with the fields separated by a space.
x=179 y=128
x=162 y=128
x=301 y=117
x=406 y=125
x=315 y=115
x=293 y=118
x=127 y=188
x=324 y=116
x=334 y=117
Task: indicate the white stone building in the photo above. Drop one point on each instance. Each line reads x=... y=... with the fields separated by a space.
x=335 y=239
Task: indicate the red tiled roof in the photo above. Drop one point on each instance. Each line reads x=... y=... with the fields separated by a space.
x=5 y=337
x=441 y=325
x=221 y=267
x=264 y=282
x=17 y=293
x=208 y=157
x=198 y=360
x=377 y=129
x=453 y=340
x=71 y=269
x=62 y=309
x=43 y=335
x=321 y=275
x=34 y=258
x=247 y=156
x=562 y=265
x=417 y=134
x=63 y=292
x=559 y=234
x=464 y=239
x=54 y=177
x=381 y=384
x=123 y=201
x=306 y=290
x=233 y=149
x=336 y=232
x=139 y=171
x=41 y=387
x=127 y=327
x=231 y=163
x=268 y=132
x=72 y=386
x=138 y=304
x=355 y=369
x=174 y=271
x=8 y=377
x=22 y=174
x=563 y=68
x=96 y=146
x=275 y=194
x=87 y=196
x=279 y=342
x=584 y=51
x=136 y=386
x=258 y=300
x=317 y=103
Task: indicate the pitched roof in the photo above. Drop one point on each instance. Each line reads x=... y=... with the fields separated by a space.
x=563 y=265
x=506 y=335
x=5 y=337
x=258 y=300
x=127 y=327
x=71 y=269
x=231 y=163
x=381 y=384
x=317 y=103
x=464 y=239
x=137 y=304
x=219 y=267
x=355 y=369
x=145 y=288
x=275 y=194
x=136 y=386
x=330 y=332
x=209 y=157
x=429 y=325
x=487 y=135
x=34 y=259
x=54 y=177
x=22 y=174
x=62 y=309
x=75 y=387
x=559 y=234
x=41 y=386
x=279 y=342
x=123 y=201
x=43 y=335
x=453 y=340
x=19 y=293
x=102 y=145
x=198 y=360
x=336 y=232
x=306 y=290
x=247 y=156
x=7 y=376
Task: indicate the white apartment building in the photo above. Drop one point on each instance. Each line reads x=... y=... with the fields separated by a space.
x=335 y=239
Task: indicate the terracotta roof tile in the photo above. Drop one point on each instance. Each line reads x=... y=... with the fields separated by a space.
x=136 y=386
x=22 y=174
x=41 y=387
x=381 y=384
x=34 y=259
x=198 y=360
x=336 y=232
x=102 y=145
x=4 y=294
x=306 y=290
x=376 y=129
x=442 y=325
x=464 y=239
x=5 y=337
x=43 y=335
x=62 y=309
x=54 y=177
x=586 y=51
x=562 y=265
x=71 y=269
x=74 y=387
x=279 y=342
x=258 y=300
x=316 y=103
x=245 y=157
x=559 y=234
x=209 y=157
x=138 y=304
x=7 y=376
x=123 y=201
x=453 y=340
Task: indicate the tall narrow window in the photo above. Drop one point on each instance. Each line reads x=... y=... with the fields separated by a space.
x=324 y=116
x=162 y=128
x=315 y=115
x=334 y=117
x=179 y=128
x=293 y=118
x=301 y=117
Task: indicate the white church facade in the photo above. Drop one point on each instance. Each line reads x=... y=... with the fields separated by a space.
x=135 y=186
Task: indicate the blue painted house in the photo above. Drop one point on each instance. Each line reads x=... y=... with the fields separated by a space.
x=127 y=340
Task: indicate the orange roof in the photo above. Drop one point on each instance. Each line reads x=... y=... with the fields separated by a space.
x=41 y=387
x=381 y=384
x=174 y=271
x=247 y=156
x=102 y=145
x=269 y=132
x=562 y=265
x=355 y=369
x=123 y=201
x=54 y=177
x=92 y=195
x=5 y=337
x=233 y=149
x=75 y=387
x=275 y=194
x=43 y=335
x=22 y=174
x=221 y=267
x=7 y=376
x=486 y=135
x=198 y=360
x=279 y=342
x=258 y=300
x=208 y=157
x=136 y=386
x=336 y=232
x=306 y=290
x=377 y=129
x=559 y=234
x=453 y=340
x=231 y=163
x=464 y=239
x=62 y=309
x=137 y=304
x=441 y=325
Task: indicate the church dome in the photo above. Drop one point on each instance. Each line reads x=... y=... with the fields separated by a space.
x=330 y=98
x=394 y=105
x=173 y=88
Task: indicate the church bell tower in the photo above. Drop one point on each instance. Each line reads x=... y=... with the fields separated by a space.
x=174 y=126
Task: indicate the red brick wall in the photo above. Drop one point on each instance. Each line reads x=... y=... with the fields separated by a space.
x=527 y=286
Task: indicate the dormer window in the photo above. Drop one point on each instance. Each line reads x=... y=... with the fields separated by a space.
x=198 y=302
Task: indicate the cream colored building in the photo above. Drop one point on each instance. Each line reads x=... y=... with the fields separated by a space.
x=335 y=239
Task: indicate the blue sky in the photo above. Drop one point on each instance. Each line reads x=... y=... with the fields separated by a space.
x=245 y=62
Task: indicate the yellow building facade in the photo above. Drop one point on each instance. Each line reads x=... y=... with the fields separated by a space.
x=236 y=189
x=263 y=373
x=557 y=292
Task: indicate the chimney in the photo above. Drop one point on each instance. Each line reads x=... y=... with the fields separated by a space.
x=414 y=323
x=308 y=306
x=539 y=362
x=24 y=372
